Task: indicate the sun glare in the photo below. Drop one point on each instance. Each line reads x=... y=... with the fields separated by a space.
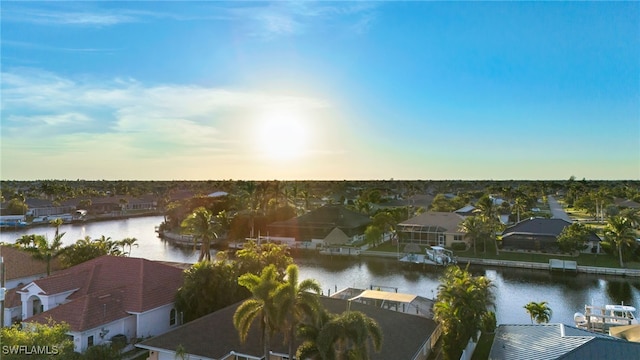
x=283 y=134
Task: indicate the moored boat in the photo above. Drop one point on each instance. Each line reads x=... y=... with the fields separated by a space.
x=601 y=319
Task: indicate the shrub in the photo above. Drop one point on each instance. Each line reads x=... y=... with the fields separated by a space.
x=459 y=246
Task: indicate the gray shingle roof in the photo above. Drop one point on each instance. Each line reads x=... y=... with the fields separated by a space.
x=213 y=336
x=557 y=341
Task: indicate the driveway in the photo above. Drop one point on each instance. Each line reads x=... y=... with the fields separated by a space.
x=557 y=212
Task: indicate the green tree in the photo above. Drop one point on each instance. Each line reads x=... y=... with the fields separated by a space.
x=130 y=241
x=373 y=234
x=540 y=312
x=520 y=205
x=54 y=336
x=16 y=206
x=461 y=304
x=200 y=224
x=474 y=228
x=86 y=249
x=442 y=204
x=619 y=231
x=41 y=249
x=252 y=258
x=260 y=306
x=207 y=287
x=349 y=336
x=296 y=301
x=574 y=237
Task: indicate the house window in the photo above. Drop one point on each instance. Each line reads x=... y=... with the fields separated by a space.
x=457 y=237
x=172 y=317
x=441 y=240
x=90 y=341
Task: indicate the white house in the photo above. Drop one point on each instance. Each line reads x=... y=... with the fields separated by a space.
x=108 y=296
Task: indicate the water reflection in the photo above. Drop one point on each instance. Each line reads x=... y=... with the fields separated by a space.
x=619 y=291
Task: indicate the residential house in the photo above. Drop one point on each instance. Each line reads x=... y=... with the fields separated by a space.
x=316 y=225
x=20 y=268
x=540 y=234
x=106 y=297
x=213 y=336
x=558 y=341
x=432 y=228
x=42 y=207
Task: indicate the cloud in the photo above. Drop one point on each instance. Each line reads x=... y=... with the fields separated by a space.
x=94 y=115
x=291 y=18
x=62 y=17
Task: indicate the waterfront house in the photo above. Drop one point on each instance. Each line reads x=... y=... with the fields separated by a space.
x=540 y=234
x=315 y=226
x=109 y=296
x=213 y=336
x=558 y=341
x=432 y=228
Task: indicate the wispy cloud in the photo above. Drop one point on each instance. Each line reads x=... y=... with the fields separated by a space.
x=291 y=18
x=35 y=46
x=62 y=17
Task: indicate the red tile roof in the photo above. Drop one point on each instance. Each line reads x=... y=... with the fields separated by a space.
x=109 y=287
x=20 y=264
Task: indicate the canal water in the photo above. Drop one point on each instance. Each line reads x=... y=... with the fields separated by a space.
x=565 y=293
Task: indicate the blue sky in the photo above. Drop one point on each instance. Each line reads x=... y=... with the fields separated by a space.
x=320 y=90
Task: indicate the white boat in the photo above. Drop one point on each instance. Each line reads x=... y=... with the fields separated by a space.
x=435 y=255
x=600 y=319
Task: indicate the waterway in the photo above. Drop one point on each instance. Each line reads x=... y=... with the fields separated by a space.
x=565 y=293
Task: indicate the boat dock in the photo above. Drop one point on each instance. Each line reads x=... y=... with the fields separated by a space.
x=563 y=265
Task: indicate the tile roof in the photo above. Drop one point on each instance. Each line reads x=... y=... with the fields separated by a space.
x=133 y=284
x=556 y=341
x=213 y=336
x=20 y=264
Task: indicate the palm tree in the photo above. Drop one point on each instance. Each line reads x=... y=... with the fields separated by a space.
x=520 y=206
x=487 y=211
x=348 y=336
x=128 y=242
x=261 y=305
x=201 y=226
x=540 y=312
x=41 y=249
x=619 y=231
x=308 y=333
x=295 y=302
x=461 y=304
x=473 y=227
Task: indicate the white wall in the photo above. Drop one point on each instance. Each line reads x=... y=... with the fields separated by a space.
x=156 y=321
x=121 y=326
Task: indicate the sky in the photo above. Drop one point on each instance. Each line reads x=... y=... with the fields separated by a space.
x=319 y=90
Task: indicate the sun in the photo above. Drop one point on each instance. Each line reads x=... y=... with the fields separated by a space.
x=283 y=134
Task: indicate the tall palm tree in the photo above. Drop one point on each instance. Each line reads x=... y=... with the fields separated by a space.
x=260 y=306
x=488 y=213
x=474 y=228
x=201 y=226
x=619 y=231
x=348 y=336
x=295 y=302
x=540 y=312
x=520 y=206
x=41 y=249
x=128 y=242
